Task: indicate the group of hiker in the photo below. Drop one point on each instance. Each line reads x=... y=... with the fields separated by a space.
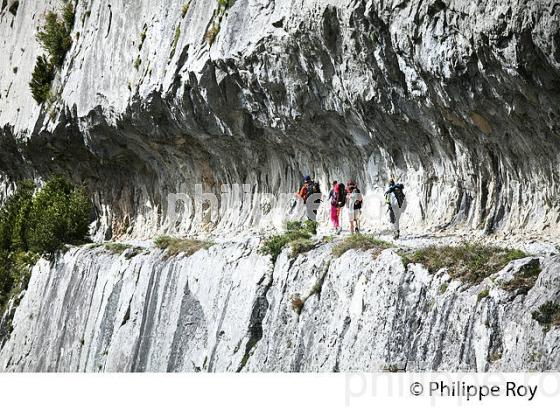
x=350 y=197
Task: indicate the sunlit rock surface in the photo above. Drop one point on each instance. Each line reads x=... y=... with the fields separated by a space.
x=457 y=99
x=228 y=309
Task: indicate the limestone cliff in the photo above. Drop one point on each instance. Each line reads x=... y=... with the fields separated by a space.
x=94 y=310
x=458 y=99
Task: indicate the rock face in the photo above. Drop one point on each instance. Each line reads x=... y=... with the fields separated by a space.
x=93 y=310
x=457 y=99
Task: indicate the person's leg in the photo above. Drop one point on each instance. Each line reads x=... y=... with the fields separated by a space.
x=333 y=217
x=338 y=213
x=398 y=214
x=396 y=225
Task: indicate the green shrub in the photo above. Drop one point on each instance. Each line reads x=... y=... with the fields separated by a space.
x=116 y=247
x=41 y=80
x=78 y=216
x=483 y=294
x=15 y=271
x=469 y=262
x=68 y=15
x=293 y=225
x=30 y=225
x=55 y=37
x=404 y=258
x=14 y=218
x=6 y=278
x=60 y=214
x=137 y=63
x=175 y=246
x=296 y=232
x=23 y=262
x=301 y=246
x=525 y=279
x=311 y=227
x=548 y=315
x=363 y=242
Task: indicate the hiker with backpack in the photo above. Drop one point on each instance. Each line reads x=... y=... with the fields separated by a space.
x=334 y=210
x=396 y=202
x=310 y=193
x=354 y=205
x=337 y=197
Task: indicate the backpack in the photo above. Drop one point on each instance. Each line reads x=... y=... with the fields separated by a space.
x=308 y=189
x=399 y=194
x=316 y=188
x=341 y=196
x=357 y=203
x=317 y=192
x=334 y=196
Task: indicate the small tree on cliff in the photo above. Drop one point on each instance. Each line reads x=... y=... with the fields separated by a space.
x=55 y=38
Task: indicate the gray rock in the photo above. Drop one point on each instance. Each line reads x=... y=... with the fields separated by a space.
x=458 y=100
x=229 y=309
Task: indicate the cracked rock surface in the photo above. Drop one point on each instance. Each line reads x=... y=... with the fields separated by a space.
x=229 y=309
x=457 y=99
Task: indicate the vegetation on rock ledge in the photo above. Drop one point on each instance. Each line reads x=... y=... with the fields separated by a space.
x=219 y=13
x=38 y=223
x=176 y=246
x=55 y=38
x=525 y=279
x=297 y=234
x=362 y=242
x=548 y=315
x=470 y=263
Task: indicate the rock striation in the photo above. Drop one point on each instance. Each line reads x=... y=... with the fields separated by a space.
x=459 y=100
x=94 y=310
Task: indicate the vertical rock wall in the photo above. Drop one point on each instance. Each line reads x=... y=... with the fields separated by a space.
x=457 y=99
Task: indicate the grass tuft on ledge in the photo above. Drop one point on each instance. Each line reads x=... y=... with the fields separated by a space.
x=361 y=242
x=298 y=235
x=469 y=263
x=175 y=246
x=548 y=315
x=297 y=303
x=525 y=279
x=116 y=247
